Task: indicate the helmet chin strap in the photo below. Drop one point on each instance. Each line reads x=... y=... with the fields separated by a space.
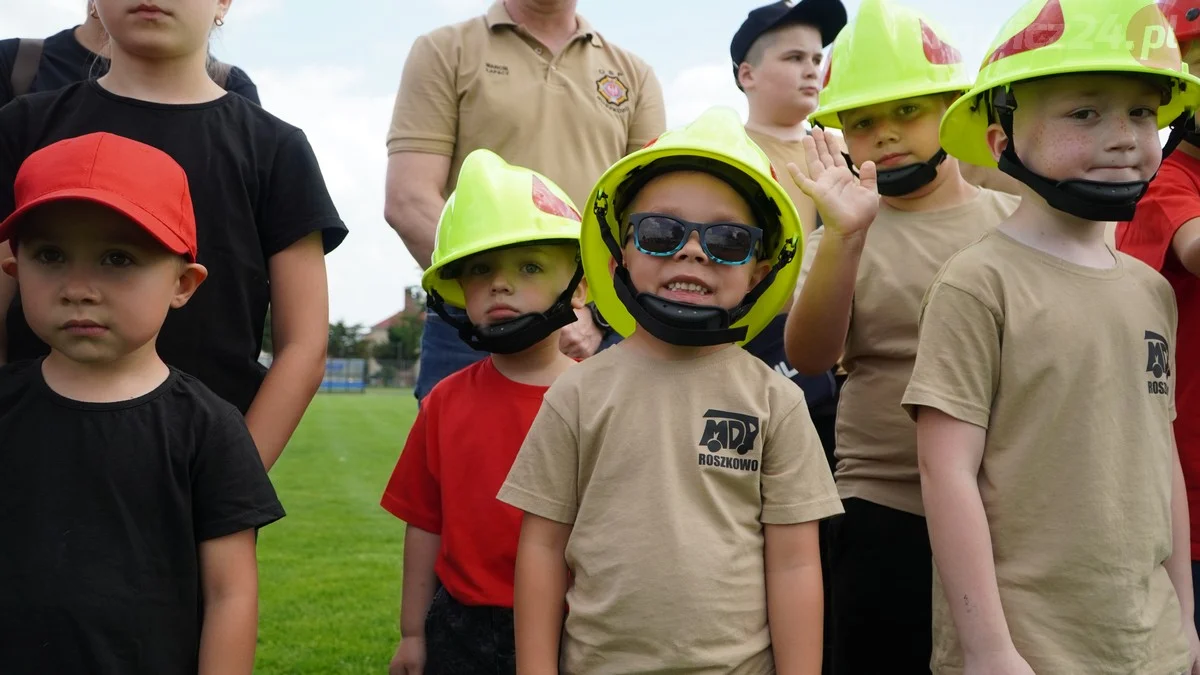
x=1182 y=129
x=907 y=179
x=518 y=333
x=682 y=323
x=903 y=180
x=1086 y=199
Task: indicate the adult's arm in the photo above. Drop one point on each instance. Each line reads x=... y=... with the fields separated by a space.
x=421 y=142
x=415 y=181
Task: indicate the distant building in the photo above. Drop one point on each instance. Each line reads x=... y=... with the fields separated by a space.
x=414 y=305
x=396 y=374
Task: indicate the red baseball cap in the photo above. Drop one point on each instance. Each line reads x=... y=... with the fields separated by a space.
x=141 y=182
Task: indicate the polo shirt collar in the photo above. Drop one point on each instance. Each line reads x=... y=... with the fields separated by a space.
x=497 y=15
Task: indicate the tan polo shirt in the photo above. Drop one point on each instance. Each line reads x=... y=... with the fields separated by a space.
x=1070 y=370
x=876 y=441
x=488 y=83
x=668 y=472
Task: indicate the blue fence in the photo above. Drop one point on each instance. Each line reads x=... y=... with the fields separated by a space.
x=345 y=375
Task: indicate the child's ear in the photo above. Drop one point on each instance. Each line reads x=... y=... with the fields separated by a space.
x=761 y=268
x=579 y=297
x=745 y=75
x=997 y=140
x=8 y=258
x=191 y=275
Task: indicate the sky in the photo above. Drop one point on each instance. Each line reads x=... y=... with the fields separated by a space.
x=333 y=70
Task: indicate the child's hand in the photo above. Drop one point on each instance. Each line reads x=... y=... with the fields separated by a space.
x=1007 y=662
x=1194 y=647
x=409 y=658
x=847 y=205
x=581 y=339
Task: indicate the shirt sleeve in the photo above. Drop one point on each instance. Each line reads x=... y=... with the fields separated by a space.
x=810 y=254
x=796 y=484
x=957 y=368
x=1171 y=201
x=650 y=115
x=230 y=489
x=413 y=493
x=241 y=84
x=425 y=117
x=1173 y=376
x=544 y=479
x=297 y=201
x=8 y=56
x=13 y=127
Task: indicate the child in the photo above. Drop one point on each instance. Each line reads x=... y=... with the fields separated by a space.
x=506 y=251
x=130 y=493
x=675 y=479
x=890 y=78
x=1043 y=386
x=264 y=217
x=777 y=62
x=1165 y=234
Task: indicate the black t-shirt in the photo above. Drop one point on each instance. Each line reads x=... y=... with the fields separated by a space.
x=102 y=510
x=767 y=346
x=65 y=61
x=256 y=188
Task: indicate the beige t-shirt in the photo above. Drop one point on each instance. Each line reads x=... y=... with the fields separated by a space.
x=488 y=83
x=780 y=152
x=1069 y=369
x=876 y=441
x=667 y=471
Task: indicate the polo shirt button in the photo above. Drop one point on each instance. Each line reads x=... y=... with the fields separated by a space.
x=538 y=51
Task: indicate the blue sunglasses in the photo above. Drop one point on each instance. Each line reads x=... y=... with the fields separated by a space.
x=661 y=235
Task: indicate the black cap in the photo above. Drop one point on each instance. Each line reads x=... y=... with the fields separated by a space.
x=827 y=16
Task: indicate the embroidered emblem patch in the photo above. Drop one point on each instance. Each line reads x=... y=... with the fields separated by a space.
x=612 y=90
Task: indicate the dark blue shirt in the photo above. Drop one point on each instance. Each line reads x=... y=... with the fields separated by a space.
x=65 y=61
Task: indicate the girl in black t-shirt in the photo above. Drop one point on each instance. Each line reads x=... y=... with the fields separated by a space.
x=264 y=216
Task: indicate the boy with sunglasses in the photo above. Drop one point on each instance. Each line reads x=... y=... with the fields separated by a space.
x=672 y=484
x=890 y=78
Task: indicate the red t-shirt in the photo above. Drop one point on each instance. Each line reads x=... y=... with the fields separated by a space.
x=457 y=455
x=1172 y=200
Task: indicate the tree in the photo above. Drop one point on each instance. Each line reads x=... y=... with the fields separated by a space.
x=346 y=342
x=404 y=340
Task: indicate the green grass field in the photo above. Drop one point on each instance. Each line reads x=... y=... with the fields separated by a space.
x=329 y=572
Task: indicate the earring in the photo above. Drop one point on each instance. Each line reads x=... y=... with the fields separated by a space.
x=219 y=21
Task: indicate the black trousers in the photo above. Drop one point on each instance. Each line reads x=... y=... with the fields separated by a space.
x=882 y=587
x=824 y=419
x=467 y=640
